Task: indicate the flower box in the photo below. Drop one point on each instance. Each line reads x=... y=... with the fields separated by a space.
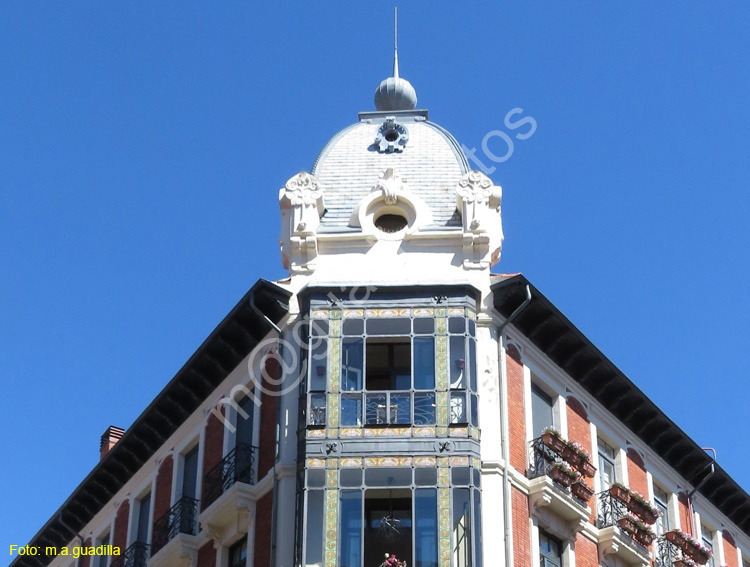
x=627 y=525
x=580 y=490
x=700 y=555
x=683 y=562
x=620 y=493
x=676 y=537
x=587 y=469
x=554 y=442
x=562 y=476
x=644 y=537
x=571 y=456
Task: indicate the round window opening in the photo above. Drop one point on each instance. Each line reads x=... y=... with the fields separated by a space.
x=390 y=223
x=391 y=136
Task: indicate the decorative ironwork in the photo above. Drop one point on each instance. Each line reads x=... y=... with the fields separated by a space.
x=135 y=556
x=543 y=460
x=179 y=520
x=666 y=553
x=237 y=466
x=611 y=510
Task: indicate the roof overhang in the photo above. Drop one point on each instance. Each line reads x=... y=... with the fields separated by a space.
x=232 y=340
x=550 y=331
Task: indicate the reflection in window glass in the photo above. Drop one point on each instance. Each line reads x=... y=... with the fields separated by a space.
x=351 y=410
x=315 y=522
x=425 y=529
x=317 y=409
x=424 y=409
x=458 y=407
x=708 y=541
x=424 y=363
x=458 y=361
x=461 y=528
x=351 y=364
x=550 y=551
x=350 y=528
x=477 y=523
x=542 y=411
x=377 y=409
x=607 y=470
x=318 y=364
x=474 y=411
x=472 y=369
x=400 y=408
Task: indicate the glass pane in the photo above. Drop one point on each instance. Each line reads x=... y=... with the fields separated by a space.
x=317 y=409
x=351 y=410
x=352 y=352
x=472 y=328
x=388 y=477
x=461 y=528
x=389 y=326
x=424 y=409
x=190 y=473
x=318 y=364
x=542 y=412
x=238 y=554
x=376 y=409
x=400 y=408
x=318 y=327
x=351 y=477
x=460 y=476
x=424 y=363
x=458 y=407
x=143 y=512
x=425 y=527
x=477 y=529
x=472 y=369
x=458 y=361
x=316 y=477
x=350 y=528
x=244 y=433
x=424 y=326
x=425 y=476
x=474 y=411
x=102 y=559
x=315 y=522
x=457 y=325
x=354 y=327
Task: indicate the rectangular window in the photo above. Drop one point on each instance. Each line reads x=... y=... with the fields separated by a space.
x=707 y=537
x=190 y=473
x=425 y=527
x=607 y=468
x=542 y=411
x=661 y=500
x=550 y=551
x=318 y=364
x=424 y=363
x=238 y=553
x=317 y=409
x=388 y=364
x=352 y=365
x=461 y=528
x=350 y=529
x=315 y=523
x=103 y=559
x=144 y=508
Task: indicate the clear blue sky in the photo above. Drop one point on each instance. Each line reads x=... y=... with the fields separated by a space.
x=142 y=146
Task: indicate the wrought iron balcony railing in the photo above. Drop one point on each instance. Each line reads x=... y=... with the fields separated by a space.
x=666 y=553
x=179 y=520
x=135 y=556
x=237 y=466
x=542 y=459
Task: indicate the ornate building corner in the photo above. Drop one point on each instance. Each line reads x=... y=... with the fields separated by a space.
x=301 y=203
x=479 y=200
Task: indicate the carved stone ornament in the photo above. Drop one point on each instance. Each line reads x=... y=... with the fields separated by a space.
x=391 y=185
x=392 y=136
x=478 y=200
x=302 y=205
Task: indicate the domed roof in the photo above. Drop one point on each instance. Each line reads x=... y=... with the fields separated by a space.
x=427 y=157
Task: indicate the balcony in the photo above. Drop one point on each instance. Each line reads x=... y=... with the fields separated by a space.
x=617 y=535
x=550 y=496
x=229 y=494
x=179 y=520
x=135 y=556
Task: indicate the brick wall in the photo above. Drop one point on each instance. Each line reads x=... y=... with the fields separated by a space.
x=213 y=448
x=730 y=550
x=163 y=491
x=86 y=559
x=580 y=431
x=120 y=537
x=521 y=530
x=207 y=555
x=263 y=518
x=516 y=411
x=637 y=478
x=685 y=522
x=587 y=554
x=267 y=437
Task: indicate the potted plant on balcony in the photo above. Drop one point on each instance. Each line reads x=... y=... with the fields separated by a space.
x=676 y=537
x=581 y=490
x=563 y=473
x=699 y=553
x=552 y=439
x=643 y=534
x=684 y=562
x=572 y=454
x=620 y=492
x=392 y=561
x=641 y=507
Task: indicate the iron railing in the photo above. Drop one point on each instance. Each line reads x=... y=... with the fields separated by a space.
x=179 y=520
x=135 y=556
x=666 y=553
x=610 y=511
x=237 y=466
x=542 y=459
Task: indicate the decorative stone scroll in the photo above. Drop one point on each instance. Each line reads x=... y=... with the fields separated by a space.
x=302 y=205
x=479 y=200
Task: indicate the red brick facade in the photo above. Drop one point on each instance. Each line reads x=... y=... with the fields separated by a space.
x=579 y=430
x=521 y=529
x=587 y=553
x=163 y=495
x=516 y=408
x=86 y=559
x=120 y=537
x=213 y=447
x=685 y=522
x=263 y=517
x=730 y=550
x=207 y=555
x=637 y=477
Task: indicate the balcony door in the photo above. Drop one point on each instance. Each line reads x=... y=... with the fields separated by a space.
x=190 y=474
x=244 y=434
x=144 y=508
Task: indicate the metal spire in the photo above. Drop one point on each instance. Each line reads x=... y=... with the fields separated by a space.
x=395 y=41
